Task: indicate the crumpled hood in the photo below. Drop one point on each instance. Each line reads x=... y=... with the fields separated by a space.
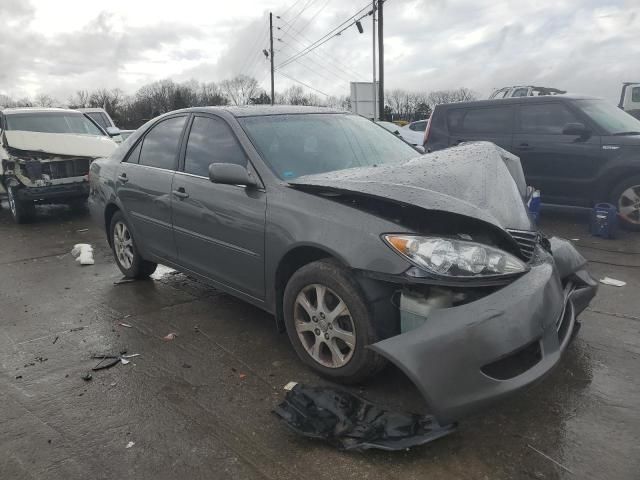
x=478 y=180
x=61 y=143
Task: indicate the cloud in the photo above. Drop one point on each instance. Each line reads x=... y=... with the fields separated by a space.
x=579 y=45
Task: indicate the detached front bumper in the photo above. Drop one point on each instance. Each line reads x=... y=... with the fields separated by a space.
x=52 y=193
x=464 y=357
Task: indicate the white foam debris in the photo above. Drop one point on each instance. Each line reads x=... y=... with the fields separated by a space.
x=613 y=282
x=83 y=253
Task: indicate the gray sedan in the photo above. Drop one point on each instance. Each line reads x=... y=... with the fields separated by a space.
x=362 y=249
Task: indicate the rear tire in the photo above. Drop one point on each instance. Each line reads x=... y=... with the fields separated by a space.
x=22 y=211
x=329 y=336
x=125 y=252
x=626 y=197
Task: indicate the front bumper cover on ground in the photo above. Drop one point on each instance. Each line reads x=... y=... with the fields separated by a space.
x=466 y=356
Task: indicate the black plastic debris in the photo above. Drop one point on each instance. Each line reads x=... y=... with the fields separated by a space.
x=353 y=423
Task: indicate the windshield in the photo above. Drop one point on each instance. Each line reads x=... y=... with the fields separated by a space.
x=52 y=123
x=609 y=117
x=297 y=145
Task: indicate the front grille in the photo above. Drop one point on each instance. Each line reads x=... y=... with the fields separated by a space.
x=526 y=240
x=76 y=167
x=516 y=363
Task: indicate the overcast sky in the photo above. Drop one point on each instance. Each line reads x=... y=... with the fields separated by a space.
x=58 y=47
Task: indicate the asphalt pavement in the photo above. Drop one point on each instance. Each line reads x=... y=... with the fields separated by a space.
x=199 y=406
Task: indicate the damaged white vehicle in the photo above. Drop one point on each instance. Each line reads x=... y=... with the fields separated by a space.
x=45 y=155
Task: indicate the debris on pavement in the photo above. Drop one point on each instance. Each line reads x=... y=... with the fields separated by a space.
x=613 y=282
x=186 y=365
x=83 y=253
x=87 y=376
x=550 y=459
x=352 y=423
x=56 y=339
x=130 y=444
x=76 y=329
x=170 y=336
x=122 y=324
x=82 y=230
x=243 y=376
x=18 y=377
x=124 y=280
x=112 y=360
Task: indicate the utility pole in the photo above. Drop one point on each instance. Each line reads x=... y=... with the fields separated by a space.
x=271 y=56
x=373 y=31
x=381 y=59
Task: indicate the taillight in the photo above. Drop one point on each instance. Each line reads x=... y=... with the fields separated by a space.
x=426 y=132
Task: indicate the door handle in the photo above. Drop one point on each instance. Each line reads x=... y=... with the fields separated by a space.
x=123 y=178
x=180 y=193
x=525 y=146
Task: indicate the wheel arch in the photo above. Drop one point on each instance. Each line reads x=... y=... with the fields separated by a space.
x=293 y=260
x=109 y=211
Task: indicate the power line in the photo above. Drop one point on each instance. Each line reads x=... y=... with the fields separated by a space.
x=344 y=75
x=304 y=8
x=333 y=33
x=302 y=83
x=320 y=53
x=333 y=63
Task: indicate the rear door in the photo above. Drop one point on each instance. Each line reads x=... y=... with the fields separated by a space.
x=219 y=229
x=561 y=166
x=489 y=123
x=143 y=185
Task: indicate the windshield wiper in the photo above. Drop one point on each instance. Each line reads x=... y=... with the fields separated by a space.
x=620 y=134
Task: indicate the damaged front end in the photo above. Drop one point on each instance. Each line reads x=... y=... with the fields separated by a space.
x=487 y=304
x=464 y=347
x=45 y=167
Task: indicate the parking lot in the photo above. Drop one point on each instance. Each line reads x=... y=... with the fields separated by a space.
x=199 y=406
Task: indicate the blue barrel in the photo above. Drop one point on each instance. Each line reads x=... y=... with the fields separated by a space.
x=604 y=220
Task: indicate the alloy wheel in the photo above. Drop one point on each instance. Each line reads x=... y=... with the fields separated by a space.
x=123 y=245
x=629 y=205
x=324 y=326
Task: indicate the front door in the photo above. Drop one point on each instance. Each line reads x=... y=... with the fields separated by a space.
x=143 y=185
x=561 y=166
x=219 y=229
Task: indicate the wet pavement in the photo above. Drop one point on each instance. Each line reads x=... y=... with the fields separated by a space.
x=199 y=406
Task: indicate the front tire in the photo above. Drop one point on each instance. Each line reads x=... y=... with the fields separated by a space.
x=626 y=197
x=22 y=211
x=329 y=323
x=125 y=252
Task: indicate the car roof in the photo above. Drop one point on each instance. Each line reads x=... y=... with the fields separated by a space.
x=91 y=110
x=517 y=100
x=22 y=110
x=262 y=110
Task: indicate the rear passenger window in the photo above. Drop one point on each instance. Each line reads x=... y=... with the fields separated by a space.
x=480 y=120
x=211 y=141
x=160 y=145
x=545 y=118
x=635 y=94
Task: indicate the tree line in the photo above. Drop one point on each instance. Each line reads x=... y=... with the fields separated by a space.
x=153 y=99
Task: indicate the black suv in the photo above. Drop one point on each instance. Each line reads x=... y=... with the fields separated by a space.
x=577 y=150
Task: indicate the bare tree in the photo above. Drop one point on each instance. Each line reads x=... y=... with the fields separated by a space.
x=240 y=89
x=45 y=101
x=80 y=99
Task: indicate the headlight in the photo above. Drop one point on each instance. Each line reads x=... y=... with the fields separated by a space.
x=455 y=258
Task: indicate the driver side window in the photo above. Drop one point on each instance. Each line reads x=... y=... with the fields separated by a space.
x=211 y=141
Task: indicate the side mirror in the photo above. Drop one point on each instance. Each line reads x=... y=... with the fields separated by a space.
x=231 y=174
x=577 y=129
x=420 y=149
x=113 y=131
